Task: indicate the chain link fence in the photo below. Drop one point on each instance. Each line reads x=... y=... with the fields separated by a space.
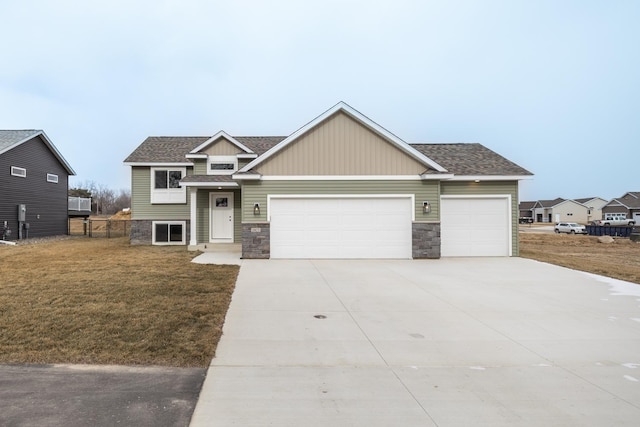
x=99 y=227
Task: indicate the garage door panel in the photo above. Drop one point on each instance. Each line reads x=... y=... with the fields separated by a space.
x=475 y=227
x=341 y=228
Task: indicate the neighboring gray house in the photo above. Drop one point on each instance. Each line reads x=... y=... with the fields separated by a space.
x=526 y=209
x=628 y=204
x=341 y=186
x=33 y=176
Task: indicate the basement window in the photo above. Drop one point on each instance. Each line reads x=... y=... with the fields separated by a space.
x=16 y=171
x=168 y=232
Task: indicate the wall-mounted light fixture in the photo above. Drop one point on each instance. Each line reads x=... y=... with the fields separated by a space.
x=256 y=209
x=426 y=207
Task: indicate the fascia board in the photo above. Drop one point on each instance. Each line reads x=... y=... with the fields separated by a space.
x=490 y=177
x=221 y=134
x=247 y=177
x=341 y=106
x=159 y=164
x=209 y=184
x=437 y=177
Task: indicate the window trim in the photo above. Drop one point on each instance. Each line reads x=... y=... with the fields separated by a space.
x=167 y=195
x=169 y=223
x=211 y=160
x=52 y=178
x=18 y=171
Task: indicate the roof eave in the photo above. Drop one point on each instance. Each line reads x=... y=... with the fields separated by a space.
x=247 y=176
x=490 y=177
x=210 y=184
x=159 y=164
x=436 y=176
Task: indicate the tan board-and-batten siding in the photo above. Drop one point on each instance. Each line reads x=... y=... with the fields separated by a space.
x=341 y=146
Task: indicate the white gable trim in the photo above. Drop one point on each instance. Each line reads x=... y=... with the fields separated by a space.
x=49 y=144
x=341 y=106
x=221 y=134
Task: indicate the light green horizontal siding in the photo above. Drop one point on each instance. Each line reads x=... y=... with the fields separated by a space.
x=141 y=207
x=489 y=187
x=199 y=166
x=257 y=192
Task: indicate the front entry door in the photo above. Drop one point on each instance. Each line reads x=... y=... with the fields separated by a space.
x=221 y=217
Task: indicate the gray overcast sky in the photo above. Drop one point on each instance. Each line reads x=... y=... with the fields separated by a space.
x=553 y=85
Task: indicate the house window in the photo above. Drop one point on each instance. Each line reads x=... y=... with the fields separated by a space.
x=52 y=178
x=222 y=165
x=165 y=185
x=168 y=232
x=16 y=171
x=165 y=178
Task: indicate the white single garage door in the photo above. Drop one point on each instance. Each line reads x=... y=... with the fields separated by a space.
x=475 y=227
x=340 y=227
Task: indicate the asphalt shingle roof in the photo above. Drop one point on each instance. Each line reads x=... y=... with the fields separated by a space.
x=459 y=159
x=12 y=137
x=173 y=149
x=551 y=203
x=470 y=159
x=165 y=149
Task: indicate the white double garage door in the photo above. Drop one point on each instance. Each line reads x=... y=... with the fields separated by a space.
x=370 y=227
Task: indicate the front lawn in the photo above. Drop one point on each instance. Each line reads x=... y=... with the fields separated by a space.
x=102 y=301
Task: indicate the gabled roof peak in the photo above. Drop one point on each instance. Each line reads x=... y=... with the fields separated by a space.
x=359 y=117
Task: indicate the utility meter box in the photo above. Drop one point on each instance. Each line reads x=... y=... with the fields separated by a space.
x=22 y=213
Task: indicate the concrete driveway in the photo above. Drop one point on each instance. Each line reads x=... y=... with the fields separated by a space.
x=450 y=342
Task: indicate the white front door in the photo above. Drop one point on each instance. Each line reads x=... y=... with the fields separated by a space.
x=221 y=226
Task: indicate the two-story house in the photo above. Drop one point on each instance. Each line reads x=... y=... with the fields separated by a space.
x=341 y=186
x=33 y=189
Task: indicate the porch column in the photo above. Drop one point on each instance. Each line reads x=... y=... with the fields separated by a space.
x=192 y=217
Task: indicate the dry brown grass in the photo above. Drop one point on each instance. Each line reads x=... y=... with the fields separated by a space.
x=102 y=301
x=620 y=260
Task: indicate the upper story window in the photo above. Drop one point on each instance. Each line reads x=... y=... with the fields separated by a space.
x=222 y=165
x=52 y=178
x=165 y=185
x=16 y=171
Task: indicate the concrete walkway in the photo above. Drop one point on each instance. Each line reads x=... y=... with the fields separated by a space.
x=450 y=342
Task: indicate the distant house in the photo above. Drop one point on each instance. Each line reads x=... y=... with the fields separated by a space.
x=628 y=204
x=560 y=209
x=34 y=181
x=341 y=186
x=594 y=207
x=526 y=209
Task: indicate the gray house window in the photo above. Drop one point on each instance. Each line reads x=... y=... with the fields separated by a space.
x=16 y=171
x=52 y=178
